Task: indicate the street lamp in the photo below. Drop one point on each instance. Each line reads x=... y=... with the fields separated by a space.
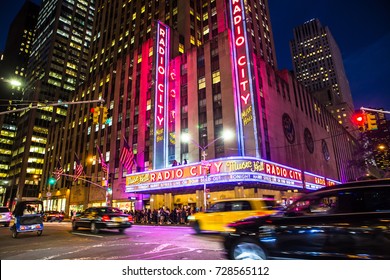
x=226 y=135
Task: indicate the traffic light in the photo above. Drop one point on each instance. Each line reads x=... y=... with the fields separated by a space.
x=109 y=190
x=105 y=115
x=360 y=120
x=95 y=114
x=371 y=122
x=52 y=181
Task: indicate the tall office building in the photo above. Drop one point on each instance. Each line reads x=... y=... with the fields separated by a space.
x=166 y=68
x=19 y=42
x=13 y=68
x=318 y=64
x=57 y=65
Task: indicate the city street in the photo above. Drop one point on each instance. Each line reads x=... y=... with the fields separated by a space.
x=140 y=242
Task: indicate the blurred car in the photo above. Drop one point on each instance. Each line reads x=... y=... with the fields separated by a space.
x=51 y=216
x=347 y=221
x=97 y=218
x=5 y=216
x=226 y=211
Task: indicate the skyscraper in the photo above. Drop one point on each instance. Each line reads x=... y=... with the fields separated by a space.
x=318 y=64
x=19 y=42
x=57 y=65
x=12 y=79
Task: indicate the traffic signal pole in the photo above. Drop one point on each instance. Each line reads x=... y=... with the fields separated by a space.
x=80 y=178
x=374 y=110
x=51 y=105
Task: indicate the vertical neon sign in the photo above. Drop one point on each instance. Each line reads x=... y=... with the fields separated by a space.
x=244 y=96
x=172 y=111
x=160 y=158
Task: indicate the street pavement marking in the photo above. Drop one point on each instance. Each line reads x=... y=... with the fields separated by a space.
x=86 y=234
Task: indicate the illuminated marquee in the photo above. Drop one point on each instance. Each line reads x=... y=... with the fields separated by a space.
x=313 y=182
x=244 y=97
x=231 y=169
x=161 y=96
x=330 y=182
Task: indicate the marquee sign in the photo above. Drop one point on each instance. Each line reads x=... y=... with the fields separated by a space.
x=330 y=182
x=244 y=96
x=243 y=169
x=160 y=159
x=314 y=182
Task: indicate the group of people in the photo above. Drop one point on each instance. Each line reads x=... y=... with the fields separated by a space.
x=164 y=215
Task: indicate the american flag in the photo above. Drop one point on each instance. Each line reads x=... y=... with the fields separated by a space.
x=102 y=161
x=127 y=156
x=58 y=171
x=79 y=168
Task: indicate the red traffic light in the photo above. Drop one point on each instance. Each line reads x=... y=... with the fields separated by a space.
x=359 y=118
x=92 y=110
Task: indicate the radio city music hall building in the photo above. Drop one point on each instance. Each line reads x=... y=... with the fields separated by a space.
x=175 y=83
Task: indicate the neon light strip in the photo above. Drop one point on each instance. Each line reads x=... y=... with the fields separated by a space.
x=155 y=92
x=161 y=140
x=166 y=96
x=250 y=80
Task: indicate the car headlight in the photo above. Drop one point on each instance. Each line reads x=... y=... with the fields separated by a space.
x=191 y=218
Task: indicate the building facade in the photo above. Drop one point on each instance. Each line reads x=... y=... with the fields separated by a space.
x=318 y=64
x=169 y=68
x=57 y=65
x=13 y=67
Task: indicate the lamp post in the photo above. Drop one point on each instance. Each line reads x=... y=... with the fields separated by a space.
x=205 y=165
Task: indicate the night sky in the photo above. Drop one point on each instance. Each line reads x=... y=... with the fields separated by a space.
x=361 y=29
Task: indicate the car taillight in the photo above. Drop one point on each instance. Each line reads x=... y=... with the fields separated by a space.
x=105 y=218
x=130 y=218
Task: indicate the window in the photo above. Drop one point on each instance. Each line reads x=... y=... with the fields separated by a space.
x=240 y=206
x=364 y=200
x=218 y=207
x=314 y=205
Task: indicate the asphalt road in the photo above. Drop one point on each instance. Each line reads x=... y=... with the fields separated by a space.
x=140 y=242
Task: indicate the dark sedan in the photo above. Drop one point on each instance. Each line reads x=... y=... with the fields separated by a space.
x=51 y=216
x=349 y=221
x=97 y=218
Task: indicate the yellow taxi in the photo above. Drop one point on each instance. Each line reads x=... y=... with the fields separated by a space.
x=225 y=211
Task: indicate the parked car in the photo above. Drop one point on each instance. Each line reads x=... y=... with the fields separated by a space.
x=347 y=221
x=226 y=211
x=5 y=216
x=51 y=216
x=97 y=218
